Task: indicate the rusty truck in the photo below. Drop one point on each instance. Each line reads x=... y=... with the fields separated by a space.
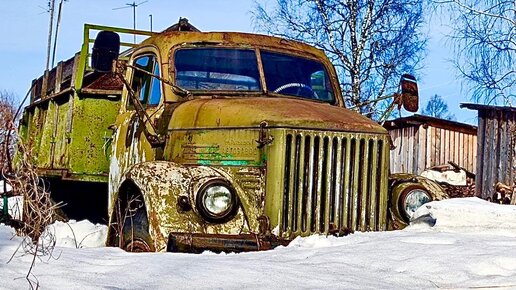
x=222 y=141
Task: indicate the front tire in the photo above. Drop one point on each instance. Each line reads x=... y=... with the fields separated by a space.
x=135 y=232
x=129 y=228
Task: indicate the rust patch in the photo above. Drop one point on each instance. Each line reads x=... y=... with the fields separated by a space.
x=106 y=81
x=197 y=243
x=234 y=112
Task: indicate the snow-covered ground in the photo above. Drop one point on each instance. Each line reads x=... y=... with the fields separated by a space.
x=471 y=245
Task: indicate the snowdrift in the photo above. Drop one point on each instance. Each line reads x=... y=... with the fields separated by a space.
x=472 y=243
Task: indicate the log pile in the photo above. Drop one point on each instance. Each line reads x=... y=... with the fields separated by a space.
x=504 y=194
x=455 y=191
x=467 y=187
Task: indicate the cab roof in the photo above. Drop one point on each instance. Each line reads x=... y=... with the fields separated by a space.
x=168 y=39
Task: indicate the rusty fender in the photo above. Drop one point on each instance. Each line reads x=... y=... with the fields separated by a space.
x=169 y=191
x=398 y=184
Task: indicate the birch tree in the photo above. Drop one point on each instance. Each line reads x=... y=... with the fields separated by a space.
x=484 y=38
x=438 y=108
x=371 y=43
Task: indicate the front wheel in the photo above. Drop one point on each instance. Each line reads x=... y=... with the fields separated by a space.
x=129 y=228
x=135 y=232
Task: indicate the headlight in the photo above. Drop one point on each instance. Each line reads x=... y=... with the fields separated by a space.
x=414 y=199
x=217 y=201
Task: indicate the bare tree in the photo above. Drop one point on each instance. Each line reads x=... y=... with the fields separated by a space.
x=371 y=43
x=437 y=107
x=485 y=44
x=7 y=112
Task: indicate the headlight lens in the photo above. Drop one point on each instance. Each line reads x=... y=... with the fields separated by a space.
x=217 y=201
x=415 y=199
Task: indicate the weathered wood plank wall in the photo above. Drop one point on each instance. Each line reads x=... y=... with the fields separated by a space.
x=496 y=160
x=420 y=146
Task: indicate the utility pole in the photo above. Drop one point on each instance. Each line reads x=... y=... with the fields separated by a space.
x=51 y=4
x=59 y=10
x=134 y=6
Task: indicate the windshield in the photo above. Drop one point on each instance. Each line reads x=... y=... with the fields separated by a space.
x=296 y=76
x=232 y=69
x=217 y=69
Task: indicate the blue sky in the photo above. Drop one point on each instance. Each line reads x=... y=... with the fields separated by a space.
x=24 y=32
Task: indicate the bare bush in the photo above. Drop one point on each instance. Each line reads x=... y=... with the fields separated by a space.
x=38 y=207
x=38 y=210
x=7 y=115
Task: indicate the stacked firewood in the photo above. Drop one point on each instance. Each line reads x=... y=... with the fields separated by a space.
x=454 y=191
x=504 y=193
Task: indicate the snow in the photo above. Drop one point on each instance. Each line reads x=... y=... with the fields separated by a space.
x=82 y=234
x=14 y=206
x=472 y=244
x=448 y=176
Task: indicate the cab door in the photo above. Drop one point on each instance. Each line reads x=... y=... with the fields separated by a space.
x=130 y=142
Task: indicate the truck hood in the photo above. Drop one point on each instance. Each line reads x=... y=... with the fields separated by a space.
x=277 y=112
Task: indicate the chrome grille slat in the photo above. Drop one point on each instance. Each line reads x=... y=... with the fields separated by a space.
x=333 y=182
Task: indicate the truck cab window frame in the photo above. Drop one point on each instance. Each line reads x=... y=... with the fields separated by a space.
x=235 y=70
x=297 y=76
x=219 y=69
x=146 y=87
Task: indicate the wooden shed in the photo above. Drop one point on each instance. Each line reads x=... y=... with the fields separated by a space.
x=496 y=160
x=421 y=142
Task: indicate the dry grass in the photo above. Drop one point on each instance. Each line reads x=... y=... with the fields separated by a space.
x=38 y=208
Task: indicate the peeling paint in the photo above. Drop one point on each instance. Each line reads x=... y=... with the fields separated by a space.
x=241 y=139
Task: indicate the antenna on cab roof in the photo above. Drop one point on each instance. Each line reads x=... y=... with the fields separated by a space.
x=134 y=5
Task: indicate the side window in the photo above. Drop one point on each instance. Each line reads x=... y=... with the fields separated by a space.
x=146 y=87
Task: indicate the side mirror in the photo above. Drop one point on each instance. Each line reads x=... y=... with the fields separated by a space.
x=409 y=93
x=105 y=50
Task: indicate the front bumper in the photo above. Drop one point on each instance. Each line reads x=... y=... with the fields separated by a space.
x=197 y=243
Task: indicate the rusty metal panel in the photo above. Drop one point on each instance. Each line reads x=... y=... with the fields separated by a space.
x=89 y=147
x=44 y=159
x=217 y=146
x=61 y=136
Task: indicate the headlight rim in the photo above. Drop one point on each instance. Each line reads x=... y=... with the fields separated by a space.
x=208 y=215
x=405 y=194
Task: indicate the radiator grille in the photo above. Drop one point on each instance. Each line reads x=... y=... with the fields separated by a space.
x=334 y=183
